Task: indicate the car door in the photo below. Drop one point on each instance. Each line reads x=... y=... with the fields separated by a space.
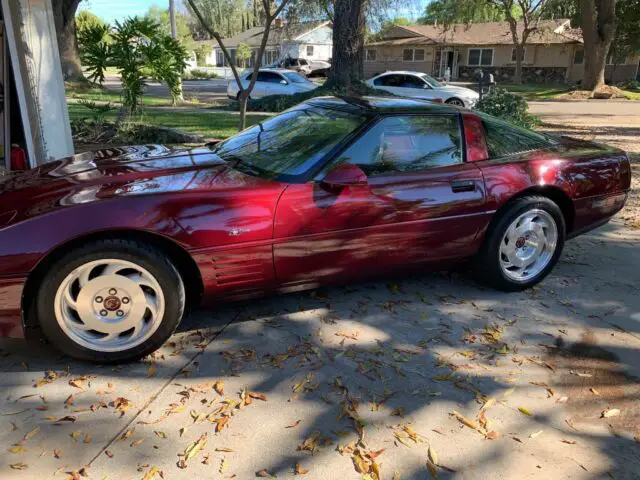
x=422 y=202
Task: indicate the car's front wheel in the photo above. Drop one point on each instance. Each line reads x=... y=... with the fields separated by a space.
x=111 y=301
x=455 y=102
x=522 y=245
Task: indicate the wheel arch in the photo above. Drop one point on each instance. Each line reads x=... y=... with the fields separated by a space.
x=553 y=193
x=182 y=260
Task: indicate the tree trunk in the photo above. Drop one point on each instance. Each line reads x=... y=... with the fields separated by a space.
x=519 y=59
x=348 y=40
x=244 y=99
x=64 y=12
x=598 y=30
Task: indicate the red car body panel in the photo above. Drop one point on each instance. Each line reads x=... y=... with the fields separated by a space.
x=250 y=236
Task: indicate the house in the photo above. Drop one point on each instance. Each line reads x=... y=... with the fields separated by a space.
x=554 y=52
x=310 y=40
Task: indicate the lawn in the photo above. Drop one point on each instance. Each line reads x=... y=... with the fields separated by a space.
x=208 y=123
x=532 y=92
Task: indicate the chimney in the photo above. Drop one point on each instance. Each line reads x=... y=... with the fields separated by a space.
x=279 y=22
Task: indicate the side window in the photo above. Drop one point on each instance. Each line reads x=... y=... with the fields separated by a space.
x=269 y=77
x=411 y=81
x=407 y=144
x=505 y=139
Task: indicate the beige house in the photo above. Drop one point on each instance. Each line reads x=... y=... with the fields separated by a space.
x=553 y=54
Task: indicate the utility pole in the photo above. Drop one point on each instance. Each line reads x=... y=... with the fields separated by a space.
x=172 y=18
x=174 y=34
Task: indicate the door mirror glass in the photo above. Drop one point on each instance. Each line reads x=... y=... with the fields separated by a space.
x=344 y=175
x=284 y=82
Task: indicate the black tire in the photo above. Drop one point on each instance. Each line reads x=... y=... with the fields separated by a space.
x=487 y=269
x=455 y=101
x=154 y=261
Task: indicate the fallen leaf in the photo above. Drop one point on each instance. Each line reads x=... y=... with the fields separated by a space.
x=433 y=470
x=611 y=412
x=258 y=396
x=263 y=474
x=397 y=412
x=137 y=442
x=192 y=450
x=87 y=438
x=76 y=435
x=31 y=434
x=310 y=444
x=489 y=403
x=462 y=419
x=433 y=455
x=492 y=435
x=17 y=448
x=223 y=449
x=151 y=473
x=126 y=434
x=535 y=434
x=569 y=442
x=219 y=387
x=300 y=470
x=526 y=412
x=57 y=452
x=108 y=453
x=19 y=466
x=151 y=372
x=594 y=391
x=294 y=425
x=160 y=434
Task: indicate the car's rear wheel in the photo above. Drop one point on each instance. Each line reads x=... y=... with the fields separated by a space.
x=455 y=101
x=111 y=301
x=523 y=245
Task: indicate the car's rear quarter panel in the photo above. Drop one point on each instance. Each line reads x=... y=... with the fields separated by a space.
x=595 y=178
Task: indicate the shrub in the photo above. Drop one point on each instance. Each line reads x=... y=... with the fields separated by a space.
x=199 y=74
x=629 y=85
x=507 y=106
x=139 y=50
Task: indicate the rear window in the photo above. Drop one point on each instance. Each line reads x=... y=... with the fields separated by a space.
x=505 y=139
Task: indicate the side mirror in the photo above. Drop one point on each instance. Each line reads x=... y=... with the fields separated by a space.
x=344 y=175
x=284 y=82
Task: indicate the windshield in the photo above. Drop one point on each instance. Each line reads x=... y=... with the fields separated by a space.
x=431 y=81
x=287 y=146
x=294 y=77
x=303 y=62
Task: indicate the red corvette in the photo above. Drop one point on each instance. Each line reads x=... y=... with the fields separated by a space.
x=104 y=251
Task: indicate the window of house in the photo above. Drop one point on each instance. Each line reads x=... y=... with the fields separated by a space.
x=413 y=55
x=309 y=50
x=578 y=57
x=402 y=144
x=514 y=53
x=220 y=60
x=480 y=57
x=505 y=139
x=614 y=59
x=370 y=55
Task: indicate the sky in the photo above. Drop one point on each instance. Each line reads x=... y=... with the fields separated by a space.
x=110 y=10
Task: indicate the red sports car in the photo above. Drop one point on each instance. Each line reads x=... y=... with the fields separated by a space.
x=104 y=251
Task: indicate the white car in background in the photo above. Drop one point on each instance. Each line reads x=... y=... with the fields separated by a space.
x=271 y=81
x=421 y=85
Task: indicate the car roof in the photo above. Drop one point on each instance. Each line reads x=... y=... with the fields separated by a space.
x=383 y=105
x=401 y=72
x=274 y=70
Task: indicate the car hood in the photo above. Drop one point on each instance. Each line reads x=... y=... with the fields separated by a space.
x=462 y=91
x=120 y=172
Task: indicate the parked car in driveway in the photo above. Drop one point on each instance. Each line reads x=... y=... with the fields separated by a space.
x=103 y=252
x=272 y=81
x=421 y=85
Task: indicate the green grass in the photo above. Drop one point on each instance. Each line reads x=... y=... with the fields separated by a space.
x=209 y=124
x=533 y=92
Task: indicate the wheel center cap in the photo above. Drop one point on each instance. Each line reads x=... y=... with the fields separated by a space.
x=112 y=303
x=520 y=242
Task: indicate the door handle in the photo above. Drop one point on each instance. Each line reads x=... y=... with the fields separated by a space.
x=459 y=186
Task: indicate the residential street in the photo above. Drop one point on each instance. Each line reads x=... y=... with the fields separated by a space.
x=539 y=384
